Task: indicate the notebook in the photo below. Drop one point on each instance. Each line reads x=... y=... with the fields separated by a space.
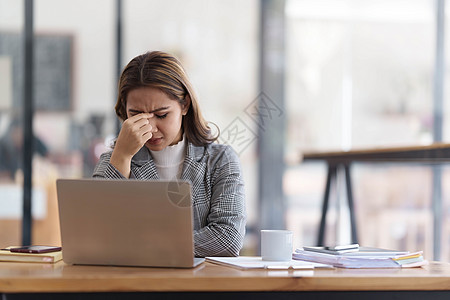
x=256 y=262
x=126 y=223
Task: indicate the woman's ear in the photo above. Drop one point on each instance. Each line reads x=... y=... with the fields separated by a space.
x=186 y=105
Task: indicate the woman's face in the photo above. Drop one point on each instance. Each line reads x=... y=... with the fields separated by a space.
x=167 y=119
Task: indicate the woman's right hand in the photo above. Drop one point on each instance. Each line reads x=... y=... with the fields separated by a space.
x=135 y=132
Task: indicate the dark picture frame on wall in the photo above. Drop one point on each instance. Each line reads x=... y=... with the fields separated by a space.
x=53 y=65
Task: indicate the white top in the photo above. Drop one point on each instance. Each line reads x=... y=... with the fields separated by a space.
x=169 y=161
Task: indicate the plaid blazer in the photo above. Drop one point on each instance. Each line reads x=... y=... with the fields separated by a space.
x=217 y=193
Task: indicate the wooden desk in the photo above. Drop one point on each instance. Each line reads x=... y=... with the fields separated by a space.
x=436 y=153
x=209 y=281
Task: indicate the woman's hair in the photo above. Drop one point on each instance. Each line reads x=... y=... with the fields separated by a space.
x=163 y=71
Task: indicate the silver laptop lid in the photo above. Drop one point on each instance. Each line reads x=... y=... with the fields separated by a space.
x=126 y=222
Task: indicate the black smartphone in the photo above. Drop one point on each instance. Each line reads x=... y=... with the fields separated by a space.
x=35 y=249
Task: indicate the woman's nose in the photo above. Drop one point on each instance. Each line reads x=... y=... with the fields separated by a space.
x=152 y=122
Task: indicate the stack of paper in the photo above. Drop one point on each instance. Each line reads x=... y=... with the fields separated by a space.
x=255 y=262
x=365 y=258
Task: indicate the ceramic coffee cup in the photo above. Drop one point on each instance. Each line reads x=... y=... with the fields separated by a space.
x=276 y=245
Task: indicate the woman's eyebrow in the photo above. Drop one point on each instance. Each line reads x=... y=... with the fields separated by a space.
x=159 y=109
x=153 y=111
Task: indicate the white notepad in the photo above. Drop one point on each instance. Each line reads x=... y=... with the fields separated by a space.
x=256 y=262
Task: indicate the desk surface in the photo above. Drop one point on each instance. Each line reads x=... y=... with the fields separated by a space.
x=59 y=277
x=438 y=152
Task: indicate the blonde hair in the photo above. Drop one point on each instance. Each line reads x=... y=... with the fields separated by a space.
x=163 y=71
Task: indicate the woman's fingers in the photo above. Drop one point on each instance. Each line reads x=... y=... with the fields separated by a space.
x=140 y=123
x=135 y=131
x=140 y=120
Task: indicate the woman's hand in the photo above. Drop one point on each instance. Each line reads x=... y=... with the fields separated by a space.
x=135 y=132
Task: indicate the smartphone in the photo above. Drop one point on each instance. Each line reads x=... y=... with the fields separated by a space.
x=343 y=247
x=35 y=249
x=334 y=250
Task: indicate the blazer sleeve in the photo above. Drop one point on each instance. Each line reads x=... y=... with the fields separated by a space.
x=225 y=230
x=104 y=169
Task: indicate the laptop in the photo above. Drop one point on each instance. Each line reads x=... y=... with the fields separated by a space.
x=126 y=223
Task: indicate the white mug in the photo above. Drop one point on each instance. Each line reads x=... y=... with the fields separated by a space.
x=276 y=245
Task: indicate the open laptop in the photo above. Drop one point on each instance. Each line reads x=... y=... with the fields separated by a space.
x=126 y=223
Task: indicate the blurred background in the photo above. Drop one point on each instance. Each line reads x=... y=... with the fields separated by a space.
x=336 y=74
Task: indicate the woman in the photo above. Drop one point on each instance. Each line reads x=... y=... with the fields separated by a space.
x=164 y=136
